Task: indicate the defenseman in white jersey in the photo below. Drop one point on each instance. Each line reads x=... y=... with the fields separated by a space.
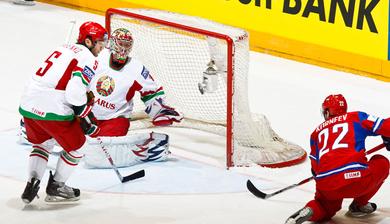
x=114 y=88
x=55 y=95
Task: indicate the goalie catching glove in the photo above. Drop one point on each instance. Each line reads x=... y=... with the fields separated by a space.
x=162 y=114
x=166 y=116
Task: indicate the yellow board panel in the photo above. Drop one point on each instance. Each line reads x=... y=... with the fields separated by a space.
x=342 y=34
x=356 y=26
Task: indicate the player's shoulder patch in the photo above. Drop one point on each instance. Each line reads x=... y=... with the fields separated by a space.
x=145 y=72
x=88 y=73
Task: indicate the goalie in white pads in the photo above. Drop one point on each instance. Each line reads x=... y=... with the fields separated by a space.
x=114 y=88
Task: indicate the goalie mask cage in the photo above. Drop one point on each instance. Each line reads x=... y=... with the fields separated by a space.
x=185 y=54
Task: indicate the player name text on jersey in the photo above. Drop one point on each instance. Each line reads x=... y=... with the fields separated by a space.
x=331 y=121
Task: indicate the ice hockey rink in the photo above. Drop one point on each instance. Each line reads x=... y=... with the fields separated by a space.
x=190 y=188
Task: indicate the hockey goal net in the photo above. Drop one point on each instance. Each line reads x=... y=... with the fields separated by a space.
x=203 y=68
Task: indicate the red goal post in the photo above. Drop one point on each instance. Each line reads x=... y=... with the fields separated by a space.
x=188 y=46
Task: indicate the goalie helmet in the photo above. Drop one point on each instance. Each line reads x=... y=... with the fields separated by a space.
x=121 y=43
x=92 y=30
x=334 y=105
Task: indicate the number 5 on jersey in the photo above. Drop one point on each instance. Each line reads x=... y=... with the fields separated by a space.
x=49 y=63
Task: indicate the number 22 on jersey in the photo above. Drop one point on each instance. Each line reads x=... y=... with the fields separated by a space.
x=332 y=138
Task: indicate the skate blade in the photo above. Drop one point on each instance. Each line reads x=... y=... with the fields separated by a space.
x=24 y=3
x=290 y=221
x=357 y=214
x=60 y=200
x=26 y=201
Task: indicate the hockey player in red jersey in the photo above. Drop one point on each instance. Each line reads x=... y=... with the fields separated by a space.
x=339 y=163
x=114 y=88
x=50 y=102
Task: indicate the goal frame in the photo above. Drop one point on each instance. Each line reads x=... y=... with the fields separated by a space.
x=230 y=55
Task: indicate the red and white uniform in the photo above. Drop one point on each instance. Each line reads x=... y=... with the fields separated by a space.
x=114 y=91
x=60 y=82
x=340 y=165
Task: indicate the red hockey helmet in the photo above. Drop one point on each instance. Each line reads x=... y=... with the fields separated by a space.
x=92 y=30
x=334 y=105
x=121 y=43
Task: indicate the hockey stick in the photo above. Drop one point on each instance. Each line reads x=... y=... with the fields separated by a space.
x=255 y=191
x=70 y=31
x=133 y=176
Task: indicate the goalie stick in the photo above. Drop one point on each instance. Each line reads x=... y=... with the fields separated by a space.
x=255 y=191
x=133 y=176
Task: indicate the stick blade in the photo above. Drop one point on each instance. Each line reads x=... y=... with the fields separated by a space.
x=256 y=192
x=136 y=175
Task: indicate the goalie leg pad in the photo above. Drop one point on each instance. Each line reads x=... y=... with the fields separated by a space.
x=156 y=148
x=22 y=134
x=127 y=150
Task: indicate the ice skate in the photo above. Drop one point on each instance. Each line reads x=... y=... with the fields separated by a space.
x=31 y=191
x=58 y=192
x=360 y=211
x=24 y=2
x=300 y=216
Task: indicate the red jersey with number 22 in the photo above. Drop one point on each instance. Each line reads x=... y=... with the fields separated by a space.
x=338 y=147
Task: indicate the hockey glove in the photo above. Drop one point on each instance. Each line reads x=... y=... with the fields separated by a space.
x=167 y=116
x=386 y=142
x=83 y=110
x=88 y=124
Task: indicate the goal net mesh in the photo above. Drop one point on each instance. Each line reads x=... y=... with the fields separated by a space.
x=178 y=58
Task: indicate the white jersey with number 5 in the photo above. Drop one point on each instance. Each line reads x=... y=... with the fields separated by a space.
x=60 y=82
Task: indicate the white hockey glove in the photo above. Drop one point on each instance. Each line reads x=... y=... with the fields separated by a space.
x=162 y=114
x=166 y=117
